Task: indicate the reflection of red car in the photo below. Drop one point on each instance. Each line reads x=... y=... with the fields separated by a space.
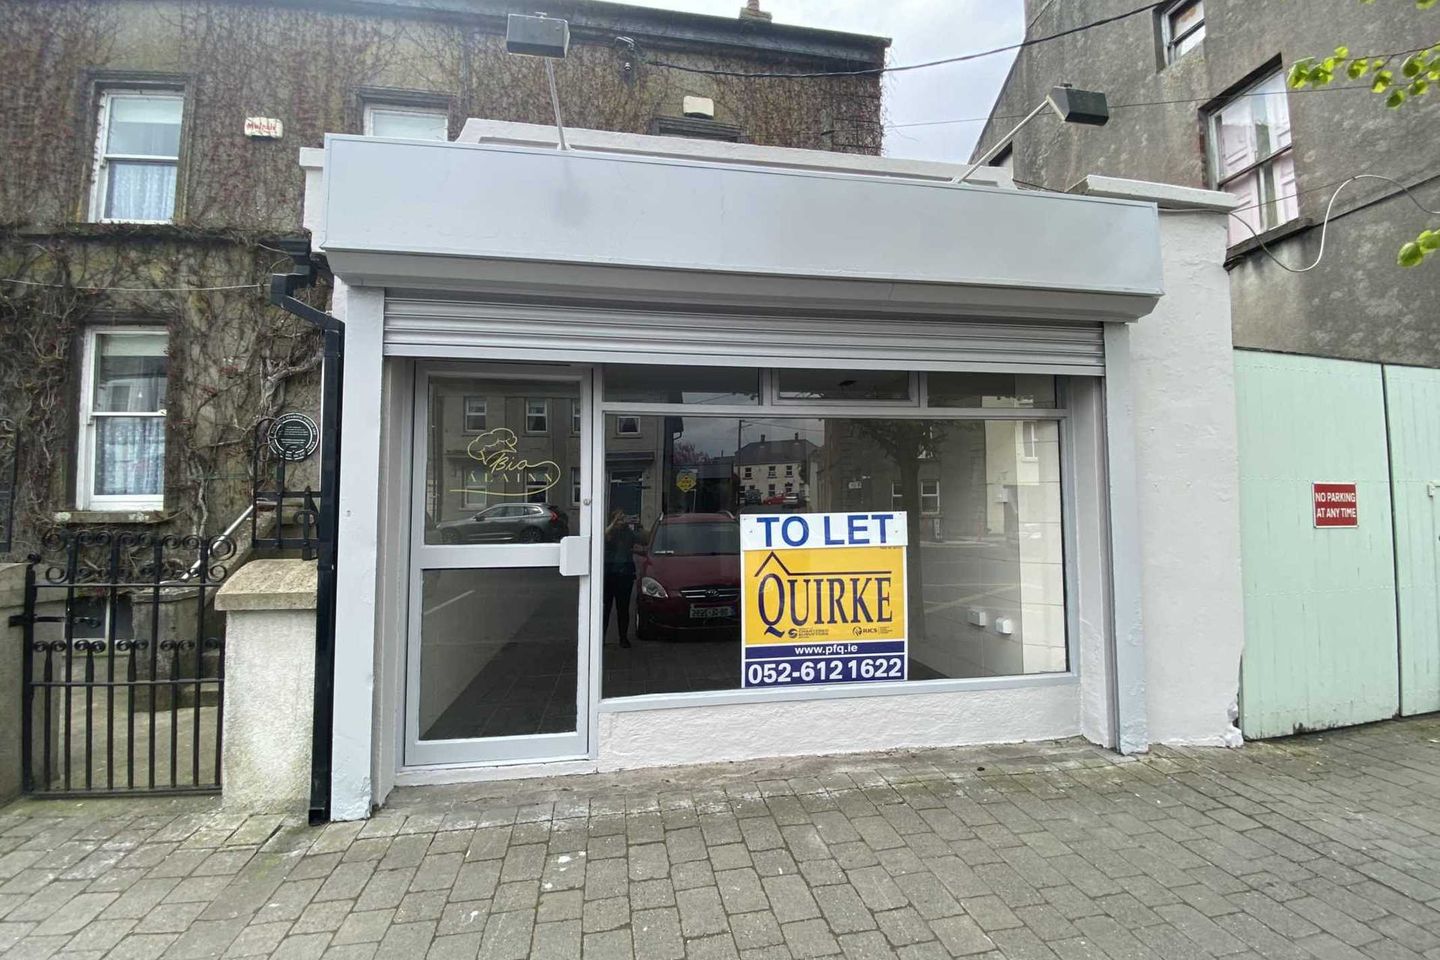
x=774 y=501
x=689 y=578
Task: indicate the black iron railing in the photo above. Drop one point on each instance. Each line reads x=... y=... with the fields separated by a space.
x=124 y=664
x=281 y=517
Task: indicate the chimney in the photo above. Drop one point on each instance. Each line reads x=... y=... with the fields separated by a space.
x=752 y=11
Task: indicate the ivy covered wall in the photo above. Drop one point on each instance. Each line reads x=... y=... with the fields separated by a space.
x=234 y=359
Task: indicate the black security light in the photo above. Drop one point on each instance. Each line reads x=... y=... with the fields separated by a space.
x=544 y=37
x=537 y=36
x=1071 y=104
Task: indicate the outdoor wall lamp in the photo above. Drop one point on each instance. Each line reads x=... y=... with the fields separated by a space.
x=544 y=37
x=1073 y=105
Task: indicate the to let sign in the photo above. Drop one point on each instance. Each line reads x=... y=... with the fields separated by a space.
x=1336 y=505
x=823 y=598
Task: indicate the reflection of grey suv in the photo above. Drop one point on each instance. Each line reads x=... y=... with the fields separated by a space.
x=507 y=522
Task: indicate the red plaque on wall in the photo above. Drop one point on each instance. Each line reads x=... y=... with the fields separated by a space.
x=1336 y=505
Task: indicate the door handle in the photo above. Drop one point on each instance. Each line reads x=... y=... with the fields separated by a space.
x=574 y=556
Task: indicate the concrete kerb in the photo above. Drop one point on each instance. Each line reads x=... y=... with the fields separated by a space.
x=269 y=685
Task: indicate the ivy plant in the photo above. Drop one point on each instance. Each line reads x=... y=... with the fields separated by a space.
x=1417 y=72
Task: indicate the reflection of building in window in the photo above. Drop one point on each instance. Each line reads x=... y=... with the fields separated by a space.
x=929 y=497
x=536 y=491
x=475 y=408
x=537 y=416
x=627 y=426
x=575 y=417
x=1027 y=440
x=474 y=495
x=575 y=485
x=796 y=459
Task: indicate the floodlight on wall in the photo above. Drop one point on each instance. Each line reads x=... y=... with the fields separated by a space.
x=544 y=37
x=1072 y=105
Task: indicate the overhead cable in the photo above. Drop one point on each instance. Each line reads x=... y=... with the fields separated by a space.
x=877 y=71
x=1325 y=223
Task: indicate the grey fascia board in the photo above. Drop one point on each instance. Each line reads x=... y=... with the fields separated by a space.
x=584 y=227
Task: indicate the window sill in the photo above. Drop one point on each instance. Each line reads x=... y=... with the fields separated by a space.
x=86 y=517
x=833 y=691
x=1248 y=246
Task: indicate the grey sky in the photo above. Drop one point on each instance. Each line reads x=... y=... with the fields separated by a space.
x=921 y=30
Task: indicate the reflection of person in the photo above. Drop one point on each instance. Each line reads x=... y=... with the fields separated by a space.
x=619 y=574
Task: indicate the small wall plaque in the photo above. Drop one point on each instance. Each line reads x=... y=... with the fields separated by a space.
x=294 y=436
x=264 y=128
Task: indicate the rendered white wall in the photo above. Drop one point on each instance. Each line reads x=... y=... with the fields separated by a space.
x=1187 y=471
x=357 y=567
x=778 y=728
x=269 y=608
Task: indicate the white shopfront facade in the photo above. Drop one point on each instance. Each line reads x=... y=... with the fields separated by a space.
x=679 y=332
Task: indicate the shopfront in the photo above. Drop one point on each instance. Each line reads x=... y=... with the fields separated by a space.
x=595 y=377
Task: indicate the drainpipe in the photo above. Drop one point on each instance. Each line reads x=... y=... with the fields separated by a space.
x=282 y=290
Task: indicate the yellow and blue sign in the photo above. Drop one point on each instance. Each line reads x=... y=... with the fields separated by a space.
x=823 y=598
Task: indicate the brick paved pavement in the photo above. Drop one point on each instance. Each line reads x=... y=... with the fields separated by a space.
x=1323 y=846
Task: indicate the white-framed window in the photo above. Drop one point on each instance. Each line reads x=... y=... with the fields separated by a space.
x=137 y=155
x=1029 y=441
x=537 y=416
x=575 y=417
x=770 y=491
x=770 y=470
x=789 y=469
x=897 y=497
x=536 y=491
x=121 y=449
x=1251 y=157
x=1182 y=27
x=406 y=122
x=476 y=409
x=474 y=495
x=929 y=498
x=575 y=486
x=627 y=426
x=749 y=473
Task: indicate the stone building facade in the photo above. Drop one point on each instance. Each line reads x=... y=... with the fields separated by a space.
x=145 y=192
x=1170 y=91
x=1337 y=357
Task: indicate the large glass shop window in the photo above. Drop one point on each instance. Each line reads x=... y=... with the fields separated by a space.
x=500 y=460
x=981 y=501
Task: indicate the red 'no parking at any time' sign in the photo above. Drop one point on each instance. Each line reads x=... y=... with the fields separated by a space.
x=1336 y=505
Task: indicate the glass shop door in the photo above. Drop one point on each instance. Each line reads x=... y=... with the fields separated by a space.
x=499 y=586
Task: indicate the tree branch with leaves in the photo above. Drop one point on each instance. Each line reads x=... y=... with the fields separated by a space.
x=1417 y=72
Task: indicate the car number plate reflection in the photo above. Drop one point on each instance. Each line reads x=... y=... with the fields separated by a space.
x=706 y=613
